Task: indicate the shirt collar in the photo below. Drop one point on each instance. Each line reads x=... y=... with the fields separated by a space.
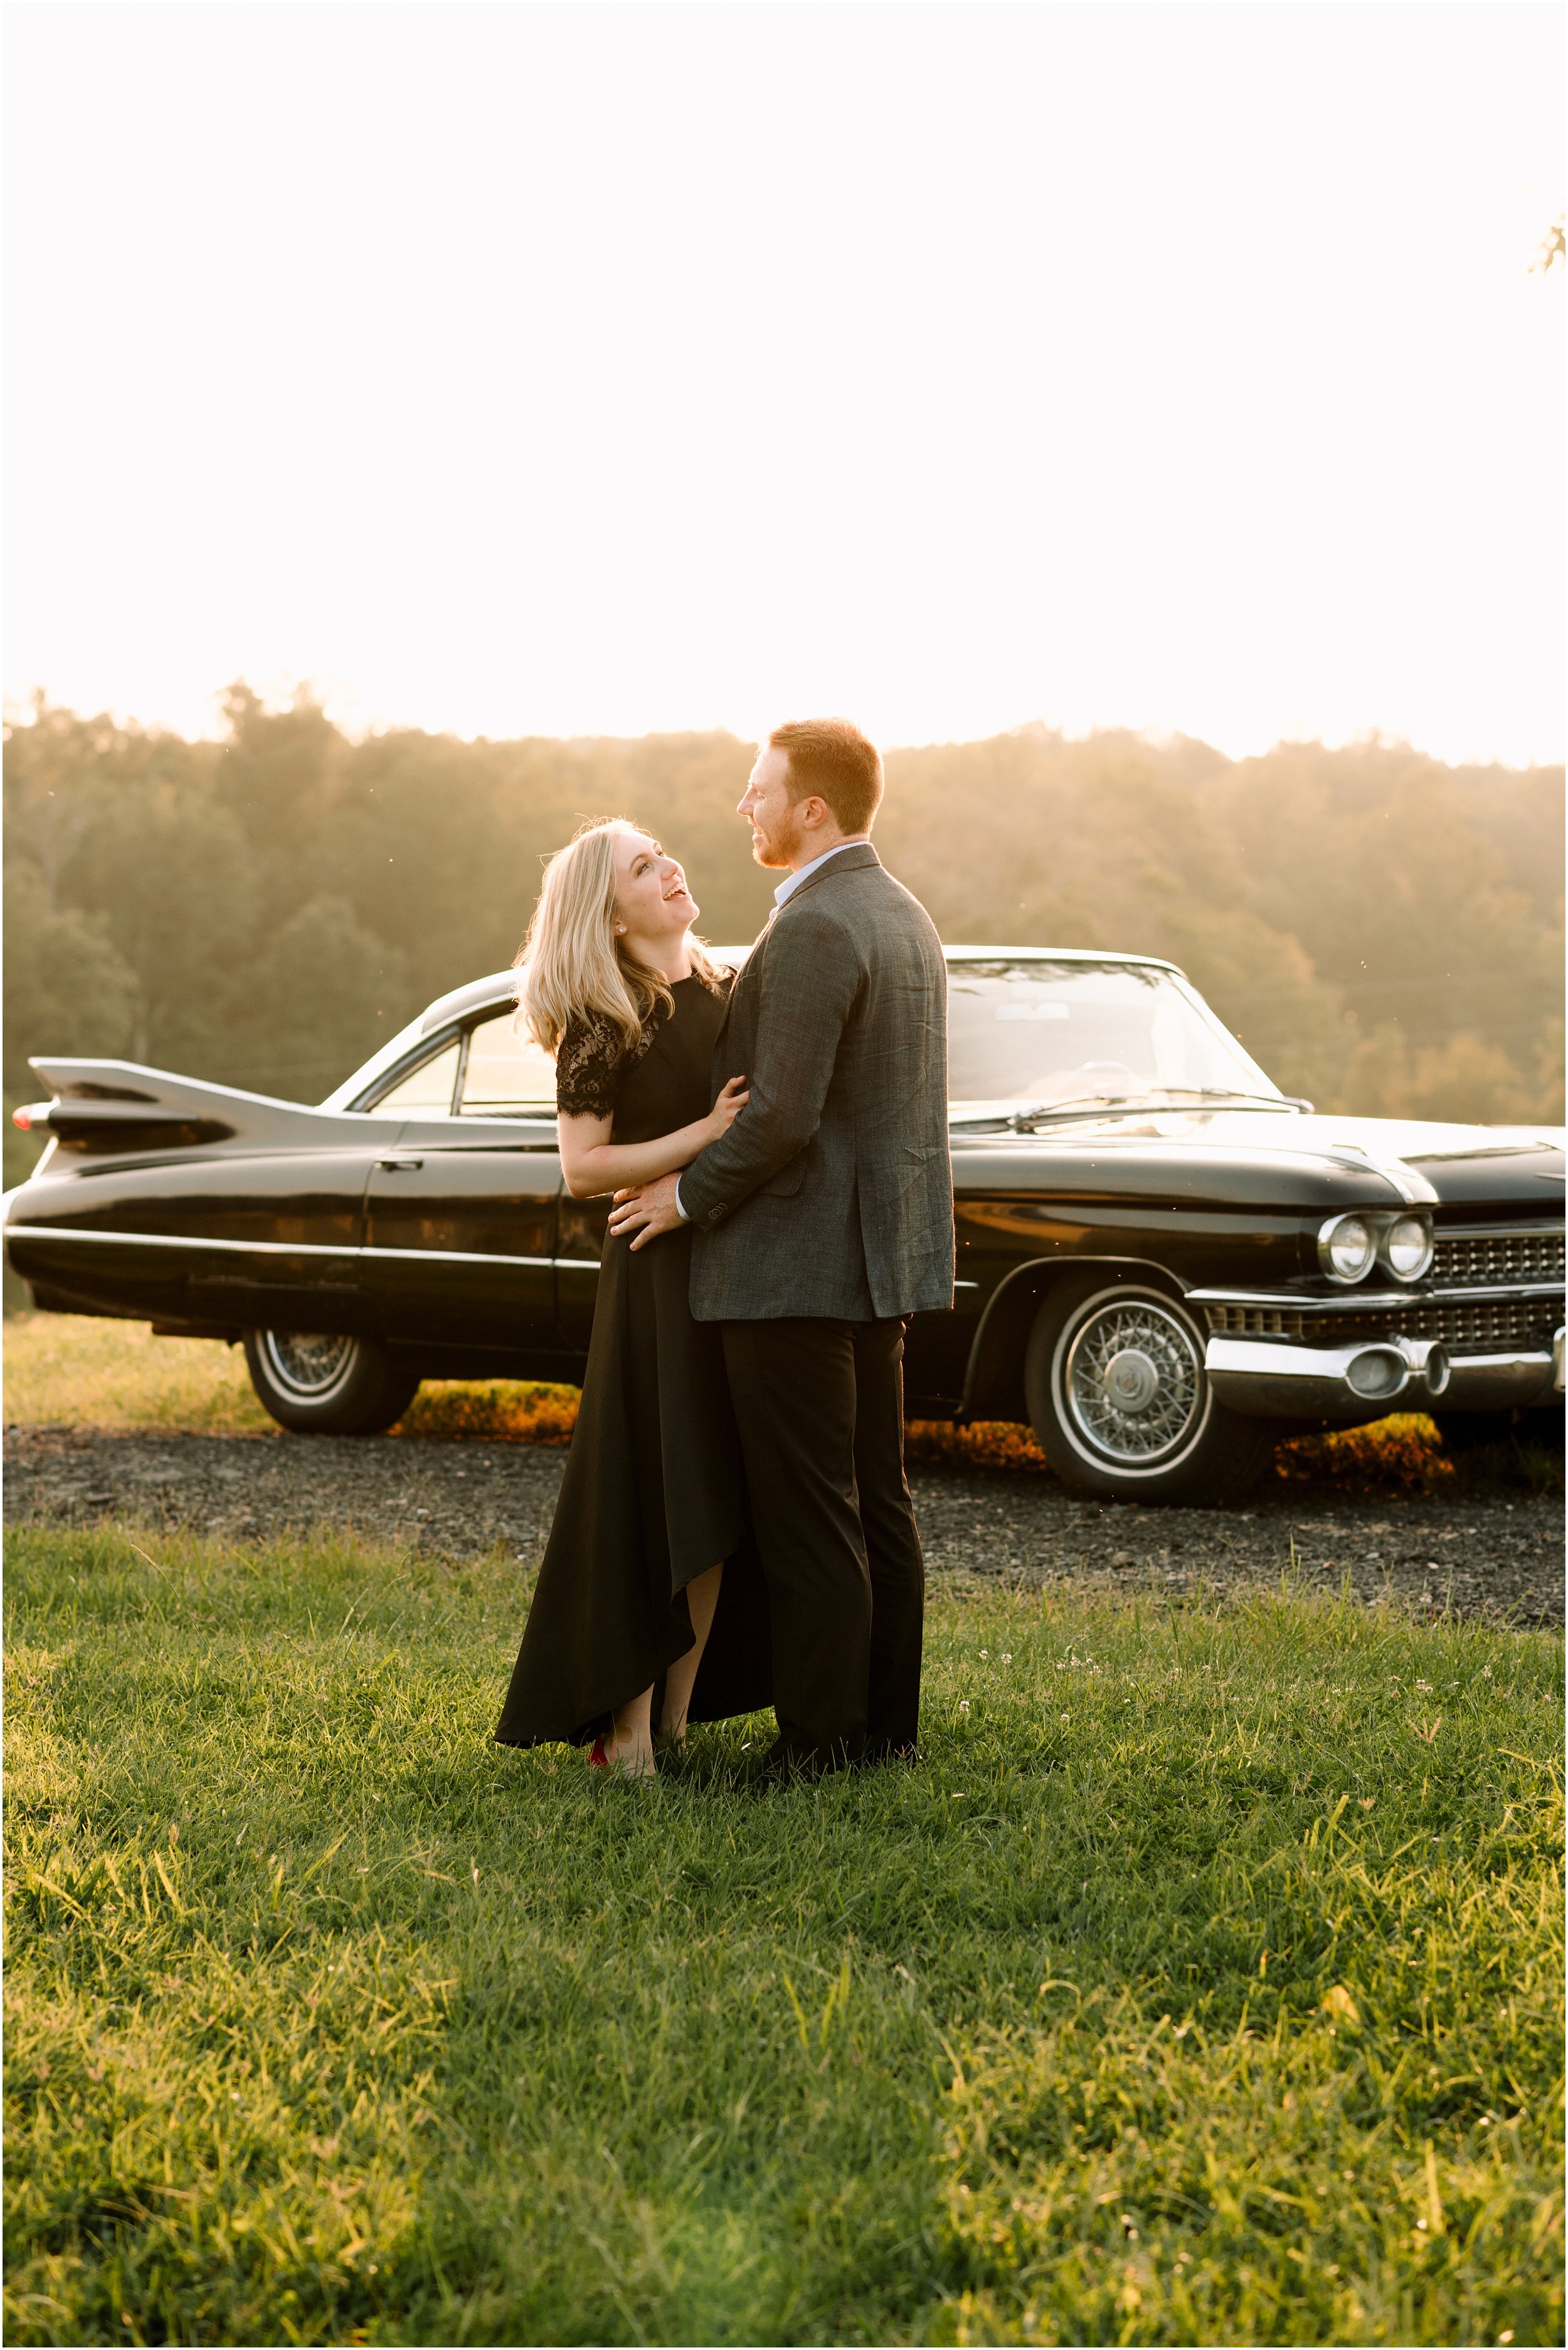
x=787 y=889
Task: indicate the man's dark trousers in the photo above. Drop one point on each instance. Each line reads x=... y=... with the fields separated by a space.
x=820 y=1407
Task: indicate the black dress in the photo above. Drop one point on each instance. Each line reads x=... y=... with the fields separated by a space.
x=653 y=1493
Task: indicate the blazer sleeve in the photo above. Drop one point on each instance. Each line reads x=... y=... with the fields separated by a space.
x=811 y=975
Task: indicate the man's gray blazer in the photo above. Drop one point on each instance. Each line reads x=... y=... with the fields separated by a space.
x=832 y=1192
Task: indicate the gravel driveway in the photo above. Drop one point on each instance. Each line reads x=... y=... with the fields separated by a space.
x=1489 y=1554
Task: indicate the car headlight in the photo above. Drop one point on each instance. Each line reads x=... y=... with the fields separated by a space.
x=1408 y=1247
x=1345 y=1248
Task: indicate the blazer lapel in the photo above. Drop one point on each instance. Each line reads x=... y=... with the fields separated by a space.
x=748 y=965
x=849 y=860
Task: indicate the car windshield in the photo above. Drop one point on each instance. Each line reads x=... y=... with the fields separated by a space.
x=1046 y=1033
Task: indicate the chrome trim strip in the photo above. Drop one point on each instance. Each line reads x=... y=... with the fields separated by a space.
x=180 y=1240
x=1374 y=1301
x=1549 y=1231
x=277 y=1248
x=1498 y=1289
x=1533 y=1355
x=452 y=1256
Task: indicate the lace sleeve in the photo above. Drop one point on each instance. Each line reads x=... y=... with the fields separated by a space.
x=588 y=1066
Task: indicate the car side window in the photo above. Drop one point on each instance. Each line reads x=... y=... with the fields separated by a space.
x=425 y=1092
x=507 y=1075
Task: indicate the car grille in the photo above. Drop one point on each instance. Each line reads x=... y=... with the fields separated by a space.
x=1461 y=1260
x=1490 y=1326
x=1256 y=1322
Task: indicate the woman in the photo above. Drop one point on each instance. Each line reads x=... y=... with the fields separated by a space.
x=652 y=1503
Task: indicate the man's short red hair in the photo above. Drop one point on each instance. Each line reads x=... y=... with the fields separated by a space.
x=833 y=759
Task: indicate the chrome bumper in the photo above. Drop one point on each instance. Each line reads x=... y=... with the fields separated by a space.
x=1274 y=1380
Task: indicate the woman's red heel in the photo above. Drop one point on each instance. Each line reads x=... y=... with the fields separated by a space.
x=632 y=1766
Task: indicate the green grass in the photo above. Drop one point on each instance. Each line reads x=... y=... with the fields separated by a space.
x=1202 y=1986
x=80 y=1370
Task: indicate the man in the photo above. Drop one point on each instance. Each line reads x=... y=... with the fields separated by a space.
x=824 y=1220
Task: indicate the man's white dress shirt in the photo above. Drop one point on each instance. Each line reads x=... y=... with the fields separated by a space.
x=788 y=886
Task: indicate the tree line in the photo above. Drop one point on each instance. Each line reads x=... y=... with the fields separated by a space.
x=1384 y=932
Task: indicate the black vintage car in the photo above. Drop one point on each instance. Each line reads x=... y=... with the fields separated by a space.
x=1163 y=1264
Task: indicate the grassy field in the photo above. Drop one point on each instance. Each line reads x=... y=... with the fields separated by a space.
x=75 y=1370
x=1201 y=1986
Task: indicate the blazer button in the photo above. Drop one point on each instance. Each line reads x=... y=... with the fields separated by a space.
x=717 y=1213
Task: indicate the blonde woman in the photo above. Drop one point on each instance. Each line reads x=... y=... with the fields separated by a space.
x=653 y=1504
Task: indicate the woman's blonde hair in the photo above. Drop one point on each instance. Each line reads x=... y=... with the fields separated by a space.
x=571 y=961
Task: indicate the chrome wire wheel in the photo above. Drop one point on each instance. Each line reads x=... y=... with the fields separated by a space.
x=311 y=1367
x=1133 y=1382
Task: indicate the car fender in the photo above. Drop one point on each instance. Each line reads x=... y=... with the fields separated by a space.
x=993 y=1379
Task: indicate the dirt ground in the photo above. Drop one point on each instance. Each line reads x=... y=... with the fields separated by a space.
x=1498 y=1555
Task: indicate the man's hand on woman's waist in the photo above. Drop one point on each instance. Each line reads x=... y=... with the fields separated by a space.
x=647 y=1210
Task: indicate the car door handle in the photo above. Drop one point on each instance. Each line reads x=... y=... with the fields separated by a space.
x=397 y=1166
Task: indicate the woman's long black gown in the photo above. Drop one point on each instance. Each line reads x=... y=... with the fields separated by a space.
x=653 y=1493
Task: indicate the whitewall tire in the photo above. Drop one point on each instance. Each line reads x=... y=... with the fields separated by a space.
x=318 y=1383
x=1120 y=1401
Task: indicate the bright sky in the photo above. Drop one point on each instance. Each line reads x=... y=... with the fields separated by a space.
x=592 y=369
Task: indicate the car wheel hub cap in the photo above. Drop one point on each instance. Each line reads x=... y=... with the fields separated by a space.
x=1132 y=1381
x=307 y=1364
x=1135 y=1384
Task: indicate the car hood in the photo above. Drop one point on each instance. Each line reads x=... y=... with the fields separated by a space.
x=1282 y=1157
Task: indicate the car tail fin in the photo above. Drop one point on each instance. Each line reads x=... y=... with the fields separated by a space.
x=118 y=1106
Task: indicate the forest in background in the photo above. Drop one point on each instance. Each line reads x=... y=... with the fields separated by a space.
x=1384 y=933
